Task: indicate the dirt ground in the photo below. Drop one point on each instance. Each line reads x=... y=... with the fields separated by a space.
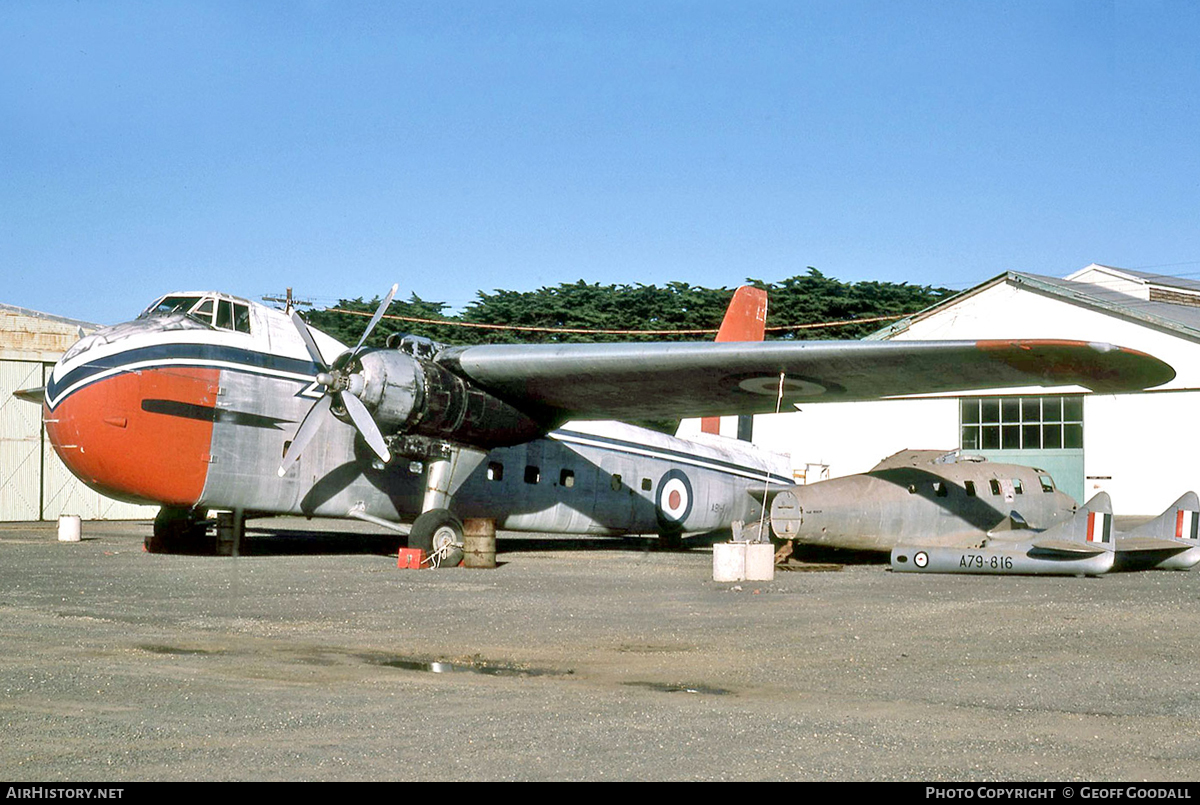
x=311 y=657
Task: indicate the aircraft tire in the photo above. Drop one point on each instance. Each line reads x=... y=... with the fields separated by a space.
x=180 y=531
x=670 y=540
x=439 y=532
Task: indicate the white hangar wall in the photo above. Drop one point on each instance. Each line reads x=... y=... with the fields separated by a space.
x=1137 y=447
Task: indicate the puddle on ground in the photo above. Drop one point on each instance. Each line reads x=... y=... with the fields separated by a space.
x=176 y=650
x=664 y=687
x=443 y=667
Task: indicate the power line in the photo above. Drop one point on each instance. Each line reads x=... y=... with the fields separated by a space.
x=586 y=331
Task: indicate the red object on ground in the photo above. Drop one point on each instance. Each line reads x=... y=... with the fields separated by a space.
x=410 y=559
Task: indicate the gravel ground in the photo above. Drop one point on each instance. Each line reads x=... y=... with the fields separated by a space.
x=310 y=657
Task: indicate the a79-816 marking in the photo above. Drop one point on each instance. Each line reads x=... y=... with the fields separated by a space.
x=980 y=561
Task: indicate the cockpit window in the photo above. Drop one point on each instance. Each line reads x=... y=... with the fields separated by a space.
x=172 y=304
x=225 y=315
x=241 y=318
x=204 y=311
x=221 y=313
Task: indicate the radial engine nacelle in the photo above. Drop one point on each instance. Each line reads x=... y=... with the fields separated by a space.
x=410 y=395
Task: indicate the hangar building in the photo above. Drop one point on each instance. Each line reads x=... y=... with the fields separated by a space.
x=34 y=484
x=1137 y=447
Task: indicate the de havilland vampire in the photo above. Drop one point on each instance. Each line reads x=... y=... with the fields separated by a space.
x=211 y=402
x=952 y=512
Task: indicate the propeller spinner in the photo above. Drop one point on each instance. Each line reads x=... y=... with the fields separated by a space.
x=340 y=381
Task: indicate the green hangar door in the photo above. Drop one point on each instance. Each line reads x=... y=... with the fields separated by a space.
x=1042 y=432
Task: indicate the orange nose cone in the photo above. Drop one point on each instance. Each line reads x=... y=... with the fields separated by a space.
x=142 y=437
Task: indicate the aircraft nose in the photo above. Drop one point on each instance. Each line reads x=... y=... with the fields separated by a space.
x=136 y=435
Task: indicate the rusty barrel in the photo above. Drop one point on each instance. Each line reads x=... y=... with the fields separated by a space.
x=479 y=543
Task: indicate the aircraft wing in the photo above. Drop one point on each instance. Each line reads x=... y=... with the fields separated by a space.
x=644 y=381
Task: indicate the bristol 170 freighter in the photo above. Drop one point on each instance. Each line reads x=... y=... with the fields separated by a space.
x=211 y=402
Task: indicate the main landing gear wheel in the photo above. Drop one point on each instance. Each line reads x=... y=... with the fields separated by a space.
x=180 y=531
x=440 y=534
x=670 y=540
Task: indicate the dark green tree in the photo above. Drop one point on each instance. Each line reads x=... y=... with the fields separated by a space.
x=804 y=299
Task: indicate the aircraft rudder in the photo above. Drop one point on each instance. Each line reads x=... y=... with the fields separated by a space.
x=1179 y=521
x=745 y=320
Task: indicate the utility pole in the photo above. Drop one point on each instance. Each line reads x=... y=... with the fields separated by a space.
x=289 y=302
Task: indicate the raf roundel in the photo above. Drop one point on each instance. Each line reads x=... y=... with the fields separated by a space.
x=674 y=498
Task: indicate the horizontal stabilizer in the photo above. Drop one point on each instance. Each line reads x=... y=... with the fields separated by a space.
x=1170 y=541
x=1177 y=527
x=1089 y=531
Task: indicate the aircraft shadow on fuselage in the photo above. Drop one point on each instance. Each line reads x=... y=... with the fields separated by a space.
x=592 y=493
x=972 y=510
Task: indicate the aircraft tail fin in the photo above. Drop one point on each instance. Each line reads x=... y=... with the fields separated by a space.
x=745 y=320
x=1089 y=531
x=1177 y=527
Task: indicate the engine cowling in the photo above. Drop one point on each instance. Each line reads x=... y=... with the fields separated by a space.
x=410 y=395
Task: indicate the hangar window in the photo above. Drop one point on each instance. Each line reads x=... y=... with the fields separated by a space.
x=532 y=474
x=1021 y=423
x=495 y=471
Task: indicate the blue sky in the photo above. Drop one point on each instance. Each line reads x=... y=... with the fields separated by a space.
x=338 y=147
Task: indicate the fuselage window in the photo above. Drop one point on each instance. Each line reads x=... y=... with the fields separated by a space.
x=616 y=482
x=566 y=478
x=970 y=487
x=647 y=485
x=940 y=489
x=995 y=486
x=1017 y=488
x=1047 y=483
x=532 y=474
x=495 y=471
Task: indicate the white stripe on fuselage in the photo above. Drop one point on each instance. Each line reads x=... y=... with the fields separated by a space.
x=684 y=453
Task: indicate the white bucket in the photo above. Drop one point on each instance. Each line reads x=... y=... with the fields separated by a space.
x=69 y=528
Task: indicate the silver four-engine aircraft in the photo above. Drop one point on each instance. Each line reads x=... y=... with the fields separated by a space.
x=941 y=512
x=211 y=402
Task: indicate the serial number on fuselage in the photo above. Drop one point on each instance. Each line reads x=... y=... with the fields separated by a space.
x=983 y=561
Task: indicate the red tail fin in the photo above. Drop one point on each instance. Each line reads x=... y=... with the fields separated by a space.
x=745 y=320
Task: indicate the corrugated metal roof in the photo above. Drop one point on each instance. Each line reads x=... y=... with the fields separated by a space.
x=37 y=314
x=1162 y=280
x=1181 y=320
x=32 y=335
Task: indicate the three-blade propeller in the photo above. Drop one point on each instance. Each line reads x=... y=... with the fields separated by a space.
x=337 y=381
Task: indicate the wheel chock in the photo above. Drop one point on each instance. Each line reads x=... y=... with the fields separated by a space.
x=411 y=559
